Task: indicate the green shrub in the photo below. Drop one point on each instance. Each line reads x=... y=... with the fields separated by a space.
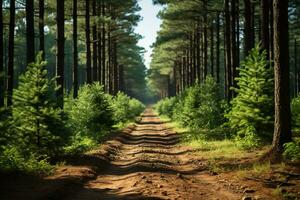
x=91 y=114
x=6 y=128
x=125 y=108
x=79 y=145
x=166 y=106
x=12 y=159
x=37 y=118
x=200 y=106
x=295 y=107
x=292 y=150
x=251 y=115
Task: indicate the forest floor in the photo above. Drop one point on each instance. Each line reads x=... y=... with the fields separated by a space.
x=148 y=161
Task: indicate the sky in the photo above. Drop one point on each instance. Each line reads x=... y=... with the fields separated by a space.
x=148 y=27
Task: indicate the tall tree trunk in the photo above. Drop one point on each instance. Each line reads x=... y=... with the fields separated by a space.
x=30 y=49
x=103 y=48
x=265 y=33
x=205 y=39
x=99 y=38
x=248 y=34
x=295 y=68
x=271 y=36
x=228 y=50
x=218 y=49
x=60 y=57
x=11 y=46
x=198 y=52
x=88 y=43
x=233 y=45
x=2 y=90
x=237 y=33
x=95 y=46
x=212 y=50
x=41 y=27
x=75 y=51
x=282 y=125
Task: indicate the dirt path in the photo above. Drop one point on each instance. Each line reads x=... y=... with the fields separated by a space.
x=145 y=162
x=150 y=165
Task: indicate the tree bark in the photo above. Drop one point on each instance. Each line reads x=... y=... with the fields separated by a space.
x=218 y=49
x=296 y=86
x=2 y=90
x=248 y=36
x=11 y=46
x=88 y=43
x=233 y=45
x=75 y=50
x=265 y=33
x=41 y=27
x=228 y=50
x=212 y=50
x=103 y=48
x=95 y=46
x=60 y=57
x=282 y=125
x=205 y=39
x=30 y=49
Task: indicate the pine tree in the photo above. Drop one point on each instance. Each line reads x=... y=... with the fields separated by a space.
x=252 y=109
x=35 y=112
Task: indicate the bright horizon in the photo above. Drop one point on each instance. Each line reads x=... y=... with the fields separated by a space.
x=148 y=27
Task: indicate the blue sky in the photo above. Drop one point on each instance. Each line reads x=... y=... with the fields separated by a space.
x=148 y=27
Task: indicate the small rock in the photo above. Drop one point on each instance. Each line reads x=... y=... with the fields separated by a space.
x=143 y=177
x=247 y=198
x=214 y=173
x=148 y=181
x=165 y=193
x=160 y=186
x=249 y=191
x=176 y=190
x=179 y=175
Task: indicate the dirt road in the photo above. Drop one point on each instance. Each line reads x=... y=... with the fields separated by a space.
x=144 y=162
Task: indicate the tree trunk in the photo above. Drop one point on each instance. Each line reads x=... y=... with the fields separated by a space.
x=248 y=36
x=2 y=90
x=265 y=33
x=282 y=125
x=60 y=51
x=295 y=68
x=99 y=38
x=103 y=48
x=233 y=46
x=11 y=46
x=95 y=46
x=30 y=49
x=237 y=33
x=271 y=36
x=205 y=39
x=41 y=27
x=212 y=50
x=218 y=49
x=75 y=51
x=88 y=43
x=228 y=50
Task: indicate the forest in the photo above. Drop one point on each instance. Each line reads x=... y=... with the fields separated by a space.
x=216 y=115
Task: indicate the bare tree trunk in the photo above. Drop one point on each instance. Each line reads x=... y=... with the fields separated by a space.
x=212 y=50
x=2 y=90
x=99 y=38
x=75 y=51
x=295 y=68
x=265 y=33
x=41 y=27
x=11 y=46
x=282 y=125
x=233 y=45
x=30 y=49
x=205 y=39
x=88 y=43
x=95 y=46
x=60 y=57
x=228 y=50
x=218 y=49
x=103 y=48
x=248 y=34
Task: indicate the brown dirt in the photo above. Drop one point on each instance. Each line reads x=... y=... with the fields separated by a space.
x=145 y=161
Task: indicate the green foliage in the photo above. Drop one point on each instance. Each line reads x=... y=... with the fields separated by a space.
x=292 y=150
x=295 y=107
x=201 y=106
x=91 y=114
x=125 y=108
x=251 y=115
x=37 y=119
x=166 y=106
x=79 y=145
x=5 y=127
x=12 y=159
